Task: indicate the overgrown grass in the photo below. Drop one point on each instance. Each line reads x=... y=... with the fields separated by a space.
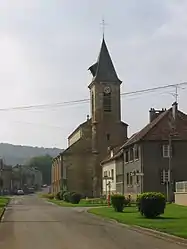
x=82 y=203
x=174 y=220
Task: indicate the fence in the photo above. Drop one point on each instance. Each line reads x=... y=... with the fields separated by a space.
x=181 y=193
x=181 y=187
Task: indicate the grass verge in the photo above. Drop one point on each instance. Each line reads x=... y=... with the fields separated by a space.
x=82 y=203
x=174 y=220
x=3 y=202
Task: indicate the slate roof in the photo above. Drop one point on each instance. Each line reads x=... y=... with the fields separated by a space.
x=139 y=135
x=103 y=70
x=143 y=132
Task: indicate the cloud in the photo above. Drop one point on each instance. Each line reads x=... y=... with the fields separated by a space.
x=46 y=47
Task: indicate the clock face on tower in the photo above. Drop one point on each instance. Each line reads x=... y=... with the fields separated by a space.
x=107 y=90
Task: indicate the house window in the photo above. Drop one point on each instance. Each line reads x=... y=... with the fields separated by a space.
x=165 y=150
x=131 y=179
x=126 y=156
x=107 y=102
x=164 y=176
x=108 y=137
x=105 y=173
x=137 y=177
x=136 y=152
x=128 y=180
x=112 y=174
x=131 y=154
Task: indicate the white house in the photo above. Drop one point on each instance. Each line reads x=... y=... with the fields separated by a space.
x=113 y=167
x=109 y=175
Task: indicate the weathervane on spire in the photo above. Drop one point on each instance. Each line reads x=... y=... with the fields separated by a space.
x=103 y=26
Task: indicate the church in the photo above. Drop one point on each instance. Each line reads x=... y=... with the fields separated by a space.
x=79 y=166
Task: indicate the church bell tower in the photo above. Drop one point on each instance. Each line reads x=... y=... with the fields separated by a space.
x=108 y=131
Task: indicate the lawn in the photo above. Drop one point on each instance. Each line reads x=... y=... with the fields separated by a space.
x=174 y=220
x=82 y=203
x=3 y=203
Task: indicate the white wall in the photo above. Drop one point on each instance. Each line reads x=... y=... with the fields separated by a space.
x=107 y=167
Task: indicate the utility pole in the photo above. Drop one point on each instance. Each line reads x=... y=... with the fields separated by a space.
x=172 y=133
x=169 y=171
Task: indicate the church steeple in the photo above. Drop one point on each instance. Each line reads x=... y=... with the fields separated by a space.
x=103 y=70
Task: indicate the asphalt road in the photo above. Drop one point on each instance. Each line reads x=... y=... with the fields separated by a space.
x=30 y=222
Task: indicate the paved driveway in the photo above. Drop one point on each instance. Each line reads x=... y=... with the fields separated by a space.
x=30 y=222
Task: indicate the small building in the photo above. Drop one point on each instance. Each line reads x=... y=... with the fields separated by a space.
x=25 y=177
x=5 y=177
x=112 y=172
x=154 y=158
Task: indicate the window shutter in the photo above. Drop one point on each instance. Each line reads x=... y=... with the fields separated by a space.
x=160 y=172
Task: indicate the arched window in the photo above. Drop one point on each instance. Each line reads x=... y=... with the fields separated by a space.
x=107 y=107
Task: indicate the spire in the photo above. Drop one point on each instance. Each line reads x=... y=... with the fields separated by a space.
x=103 y=70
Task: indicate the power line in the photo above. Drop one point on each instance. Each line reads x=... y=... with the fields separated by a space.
x=86 y=100
x=155 y=88
x=38 y=124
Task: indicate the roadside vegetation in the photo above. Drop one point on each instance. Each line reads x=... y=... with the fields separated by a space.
x=72 y=199
x=3 y=203
x=150 y=211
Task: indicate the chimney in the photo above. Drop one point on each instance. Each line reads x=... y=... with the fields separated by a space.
x=155 y=113
x=111 y=153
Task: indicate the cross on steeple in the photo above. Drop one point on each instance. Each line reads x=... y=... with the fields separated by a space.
x=103 y=26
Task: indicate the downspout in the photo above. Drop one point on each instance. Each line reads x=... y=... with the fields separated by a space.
x=142 y=168
x=123 y=171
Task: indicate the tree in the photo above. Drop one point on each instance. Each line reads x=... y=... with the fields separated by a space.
x=42 y=163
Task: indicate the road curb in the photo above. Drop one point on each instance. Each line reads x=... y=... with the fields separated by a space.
x=160 y=235
x=147 y=231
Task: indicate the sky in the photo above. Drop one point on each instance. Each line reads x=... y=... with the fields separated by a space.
x=46 y=47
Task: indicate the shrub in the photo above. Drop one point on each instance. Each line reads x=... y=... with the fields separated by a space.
x=118 y=202
x=58 y=196
x=51 y=196
x=128 y=201
x=62 y=192
x=48 y=196
x=67 y=196
x=75 y=198
x=138 y=202
x=151 y=204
